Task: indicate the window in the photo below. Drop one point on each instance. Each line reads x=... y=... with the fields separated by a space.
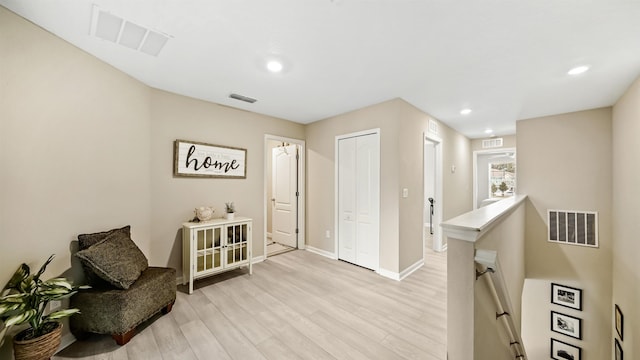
x=502 y=179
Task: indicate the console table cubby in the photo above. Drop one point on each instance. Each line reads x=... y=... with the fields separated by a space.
x=213 y=246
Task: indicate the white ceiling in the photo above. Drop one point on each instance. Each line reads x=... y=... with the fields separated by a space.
x=506 y=60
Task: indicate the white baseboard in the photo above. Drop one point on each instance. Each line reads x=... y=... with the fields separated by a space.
x=411 y=269
x=401 y=275
x=257 y=259
x=389 y=274
x=324 y=253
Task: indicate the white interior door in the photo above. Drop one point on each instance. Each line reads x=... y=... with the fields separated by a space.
x=433 y=191
x=347 y=200
x=359 y=200
x=431 y=227
x=284 y=199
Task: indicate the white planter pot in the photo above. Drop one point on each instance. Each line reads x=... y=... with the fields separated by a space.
x=230 y=216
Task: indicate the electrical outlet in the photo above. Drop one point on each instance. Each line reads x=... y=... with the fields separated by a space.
x=54 y=305
x=328 y=234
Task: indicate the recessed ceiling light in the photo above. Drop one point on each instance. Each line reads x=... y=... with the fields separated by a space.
x=488 y=131
x=465 y=111
x=578 y=70
x=274 y=66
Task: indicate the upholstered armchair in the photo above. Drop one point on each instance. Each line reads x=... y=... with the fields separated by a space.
x=125 y=290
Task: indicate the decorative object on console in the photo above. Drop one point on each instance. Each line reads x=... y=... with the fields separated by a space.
x=24 y=300
x=230 y=209
x=196 y=159
x=204 y=213
x=126 y=291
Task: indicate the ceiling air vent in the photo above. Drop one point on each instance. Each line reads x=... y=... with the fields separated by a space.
x=492 y=143
x=243 y=98
x=573 y=227
x=113 y=28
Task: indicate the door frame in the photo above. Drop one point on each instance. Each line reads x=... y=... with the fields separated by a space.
x=336 y=210
x=302 y=185
x=438 y=241
x=475 y=168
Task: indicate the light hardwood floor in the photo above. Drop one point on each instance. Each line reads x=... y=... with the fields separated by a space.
x=297 y=305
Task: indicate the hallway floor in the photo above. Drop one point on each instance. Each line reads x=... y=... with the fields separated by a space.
x=297 y=305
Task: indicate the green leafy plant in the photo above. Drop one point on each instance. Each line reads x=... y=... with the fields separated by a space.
x=229 y=207
x=26 y=296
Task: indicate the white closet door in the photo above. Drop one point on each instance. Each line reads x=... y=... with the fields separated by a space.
x=359 y=200
x=347 y=200
x=284 y=200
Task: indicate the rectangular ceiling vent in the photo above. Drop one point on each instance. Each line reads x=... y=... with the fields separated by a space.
x=433 y=127
x=243 y=98
x=492 y=143
x=113 y=28
x=573 y=227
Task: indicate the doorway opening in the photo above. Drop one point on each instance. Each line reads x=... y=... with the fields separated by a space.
x=284 y=200
x=432 y=234
x=494 y=176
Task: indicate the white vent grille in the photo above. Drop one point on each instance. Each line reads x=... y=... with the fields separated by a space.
x=433 y=127
x=492 y=143
x=107 y=26
x=573 y=227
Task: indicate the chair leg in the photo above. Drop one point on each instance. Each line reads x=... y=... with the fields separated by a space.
x=123 y=339
x=167 y=309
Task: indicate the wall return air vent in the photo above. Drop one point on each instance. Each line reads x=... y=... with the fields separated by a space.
x=492 y=143
x=573 y=227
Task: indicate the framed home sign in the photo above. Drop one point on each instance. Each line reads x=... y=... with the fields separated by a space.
x=567 y=325
x=566 y=296
x=196 y=159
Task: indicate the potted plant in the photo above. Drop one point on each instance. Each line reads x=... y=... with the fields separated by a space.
x=230 y=209
x=24 y=300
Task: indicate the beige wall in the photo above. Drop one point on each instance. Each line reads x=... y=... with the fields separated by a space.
x=457 y=184
x=401 y=137
x=174 y=198
x=74 y=149
x=320 y=176
x=626 y=227
x=564 y=162
x=413 y=123
x=507 y=239
x=472 y=329
x=75 y=136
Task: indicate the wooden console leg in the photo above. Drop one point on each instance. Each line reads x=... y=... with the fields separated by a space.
x=167 y=309
x=123 y=339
